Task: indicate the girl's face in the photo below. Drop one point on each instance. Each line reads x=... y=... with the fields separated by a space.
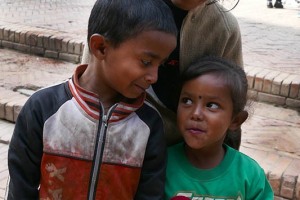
x=204 y=111
x=187 y=4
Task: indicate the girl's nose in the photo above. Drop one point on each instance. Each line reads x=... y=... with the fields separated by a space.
x=197 y=113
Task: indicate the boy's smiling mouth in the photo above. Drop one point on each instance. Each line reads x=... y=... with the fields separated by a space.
x=140 y=88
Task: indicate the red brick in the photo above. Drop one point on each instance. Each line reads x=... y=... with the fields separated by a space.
x=276 y=85
x=277 y=172
x=295 y=87
x=289 y=179
x=267 y=84
x=297 y=190
x=251 y=76
x=286 y=84
x=259 y=79
x=270 y=98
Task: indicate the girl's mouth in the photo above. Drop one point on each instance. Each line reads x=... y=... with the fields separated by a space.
x=196 y=131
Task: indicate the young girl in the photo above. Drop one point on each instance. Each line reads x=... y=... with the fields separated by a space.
x=212 y=100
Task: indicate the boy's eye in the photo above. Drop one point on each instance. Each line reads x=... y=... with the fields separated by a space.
x=186 y=101
x=146 y=63
x=213 y=105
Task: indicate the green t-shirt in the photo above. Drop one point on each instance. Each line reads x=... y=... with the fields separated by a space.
x=237 y=177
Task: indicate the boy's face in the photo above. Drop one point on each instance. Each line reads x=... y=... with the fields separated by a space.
x=204 y=111
x=130 y=68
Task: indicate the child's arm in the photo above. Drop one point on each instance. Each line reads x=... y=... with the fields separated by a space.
x=152 y=181
x=233 y=47
x=24 y=155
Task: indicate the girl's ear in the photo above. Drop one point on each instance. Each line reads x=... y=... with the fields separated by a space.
x=98 y=46
x=238 y=120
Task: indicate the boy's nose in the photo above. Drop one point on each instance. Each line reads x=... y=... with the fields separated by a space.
x=151 y=76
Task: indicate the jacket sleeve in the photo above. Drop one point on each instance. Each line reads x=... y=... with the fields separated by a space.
x=233 y=46
x=152 y=180
x=24 y=154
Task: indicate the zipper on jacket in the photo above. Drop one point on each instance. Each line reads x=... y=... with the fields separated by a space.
x=103 y=121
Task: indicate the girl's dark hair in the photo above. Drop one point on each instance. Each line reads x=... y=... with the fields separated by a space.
x=119 y=20
x=233 y=75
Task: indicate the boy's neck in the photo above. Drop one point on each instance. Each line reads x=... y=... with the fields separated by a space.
x=92 y=83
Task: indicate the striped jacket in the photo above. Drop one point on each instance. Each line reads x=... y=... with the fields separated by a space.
x=64 y=147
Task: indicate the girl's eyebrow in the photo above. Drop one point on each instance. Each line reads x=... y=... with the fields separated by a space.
x=186 y=93
x=210 y=97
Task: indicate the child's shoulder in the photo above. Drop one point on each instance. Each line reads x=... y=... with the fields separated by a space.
x=49 y=94
x=149 y=115
x=148 y=109
x=216 y=11
x=52 y=88
x=244 y=160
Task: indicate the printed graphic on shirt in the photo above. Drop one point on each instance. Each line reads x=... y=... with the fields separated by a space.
x=193 y=196
x=54 y=172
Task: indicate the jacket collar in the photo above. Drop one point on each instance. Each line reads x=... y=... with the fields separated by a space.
x=90 y=102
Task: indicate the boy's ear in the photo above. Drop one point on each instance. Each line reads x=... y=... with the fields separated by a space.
x=238 y=120
x=98 y=45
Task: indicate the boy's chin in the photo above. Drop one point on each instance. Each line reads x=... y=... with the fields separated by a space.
x=133 y=97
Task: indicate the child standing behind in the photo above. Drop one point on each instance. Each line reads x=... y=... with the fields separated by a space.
x=212 y=101
x=93 y=137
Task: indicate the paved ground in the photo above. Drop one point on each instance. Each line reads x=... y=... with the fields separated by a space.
x=271 y=39
x=70 y=16
x=20 y=70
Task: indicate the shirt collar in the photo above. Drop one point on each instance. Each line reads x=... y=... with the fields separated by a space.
x=90 y=102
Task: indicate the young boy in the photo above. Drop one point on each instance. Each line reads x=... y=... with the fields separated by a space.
x=93 y=137
x=212 y=100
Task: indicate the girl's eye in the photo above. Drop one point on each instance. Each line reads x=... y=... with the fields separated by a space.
x=146 y=63
x=213 y=105
x=186 y=101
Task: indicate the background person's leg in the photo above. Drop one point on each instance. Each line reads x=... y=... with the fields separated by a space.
x=278 y=4
x=269 y=4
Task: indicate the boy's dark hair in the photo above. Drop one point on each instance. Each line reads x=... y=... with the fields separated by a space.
x=119 y=20
x=233 y=75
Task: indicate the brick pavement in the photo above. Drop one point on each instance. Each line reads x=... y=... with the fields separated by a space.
x=271 y=37
x=69 y=16
x=57 y=29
